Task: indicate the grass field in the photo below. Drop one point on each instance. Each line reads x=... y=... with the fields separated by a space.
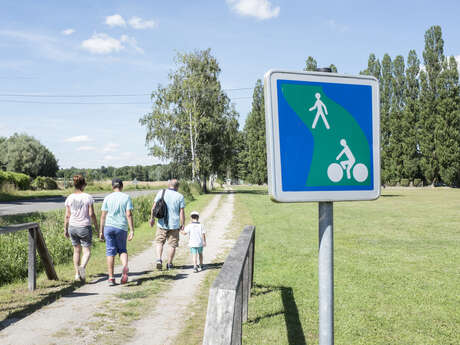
x=396 y=272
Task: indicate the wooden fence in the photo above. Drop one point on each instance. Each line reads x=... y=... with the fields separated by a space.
x=230 y=292
x=36 y=243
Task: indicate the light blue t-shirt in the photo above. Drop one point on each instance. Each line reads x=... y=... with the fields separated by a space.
x=175 y=202
x=116 y=205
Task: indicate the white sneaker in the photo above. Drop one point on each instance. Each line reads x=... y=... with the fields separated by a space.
x=81 y=271
x=77 y=277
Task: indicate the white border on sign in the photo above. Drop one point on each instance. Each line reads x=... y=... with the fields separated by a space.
x=273 y=141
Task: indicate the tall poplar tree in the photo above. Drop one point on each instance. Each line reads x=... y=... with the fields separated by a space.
x=256 y=152
x=411 y=112
x=447 y=126
x=386 y=95
x=433 y=57
x=396 y=119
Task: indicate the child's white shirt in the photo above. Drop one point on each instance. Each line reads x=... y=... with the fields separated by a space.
x=196 y=232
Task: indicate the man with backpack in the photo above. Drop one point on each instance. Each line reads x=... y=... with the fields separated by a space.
x=168 y=207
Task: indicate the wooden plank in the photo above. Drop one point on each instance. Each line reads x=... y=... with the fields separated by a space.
x=32 y=261
x=230 y=273
x=45 y=256
x=220 y=317
x=17 y=227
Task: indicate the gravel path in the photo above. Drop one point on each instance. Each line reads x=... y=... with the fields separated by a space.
x=50 y=324
x=52 y=203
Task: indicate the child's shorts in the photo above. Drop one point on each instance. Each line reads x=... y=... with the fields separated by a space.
x=196 y=250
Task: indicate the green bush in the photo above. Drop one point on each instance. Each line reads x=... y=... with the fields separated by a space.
x=184 y=189
x=19 y=180
x=393 y=182
x=418 y=182
x=44 y=183
x=404 y=182
x=196 y=188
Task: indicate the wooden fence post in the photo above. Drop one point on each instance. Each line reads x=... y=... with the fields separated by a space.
x=32 y=261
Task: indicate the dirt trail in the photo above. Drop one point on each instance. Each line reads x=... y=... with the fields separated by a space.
x=159 y=326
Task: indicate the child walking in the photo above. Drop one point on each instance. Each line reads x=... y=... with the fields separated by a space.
x=197 y=240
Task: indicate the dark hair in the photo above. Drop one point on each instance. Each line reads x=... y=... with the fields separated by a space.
x=195 y=216
x=79 y=182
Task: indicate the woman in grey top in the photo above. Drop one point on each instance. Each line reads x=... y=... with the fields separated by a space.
x=78 y=215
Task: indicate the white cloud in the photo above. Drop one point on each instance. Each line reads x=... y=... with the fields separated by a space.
x=67 y=32
x=102 y=44
x=334 y=26
x=86 y=148
x=132 y=42
x=109 y=158
x=139 y=23
x=261 y=9
x=111 y=147
x=78 y=139
x=115 y=20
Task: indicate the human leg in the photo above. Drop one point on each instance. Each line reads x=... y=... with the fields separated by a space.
x=76 y=258
x=172 y=237
x=160 y=239
x=110 y=264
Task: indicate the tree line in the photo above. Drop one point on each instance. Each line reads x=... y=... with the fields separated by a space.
x=419 y=114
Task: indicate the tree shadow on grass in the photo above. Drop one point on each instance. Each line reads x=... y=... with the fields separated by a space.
x=294 y=329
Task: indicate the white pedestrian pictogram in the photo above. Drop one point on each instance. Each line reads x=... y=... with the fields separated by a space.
x=319 y=105
x=335 y=171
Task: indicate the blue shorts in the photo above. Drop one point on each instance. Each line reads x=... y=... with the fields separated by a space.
x=115 y=240
x=196 y=250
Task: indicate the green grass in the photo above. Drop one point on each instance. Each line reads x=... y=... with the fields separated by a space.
x=396 y=272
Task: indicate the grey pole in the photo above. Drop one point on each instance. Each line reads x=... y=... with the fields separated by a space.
x=326 y=274
x=326 y=268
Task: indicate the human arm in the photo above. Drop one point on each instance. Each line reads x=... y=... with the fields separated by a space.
x=182 y=218
x=102 y=223
x=204 y=240
x=92 y=214
x=129 y=216
x=340 y=155
x=66 y=221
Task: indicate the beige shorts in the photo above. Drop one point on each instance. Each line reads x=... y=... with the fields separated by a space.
x=171 y=236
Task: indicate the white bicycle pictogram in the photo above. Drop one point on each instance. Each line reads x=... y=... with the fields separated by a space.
x=335 y=170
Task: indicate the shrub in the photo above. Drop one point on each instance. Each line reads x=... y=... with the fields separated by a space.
x=46 y=183
x=19 y=180
x=418 y=182
x=184 y=189
x=404 y=182
x=393 y=182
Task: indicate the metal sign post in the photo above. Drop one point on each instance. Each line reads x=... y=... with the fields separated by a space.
x=323 y=144
x=326 y=273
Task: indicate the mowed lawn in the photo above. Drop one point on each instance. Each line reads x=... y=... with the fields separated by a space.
x=396 y=269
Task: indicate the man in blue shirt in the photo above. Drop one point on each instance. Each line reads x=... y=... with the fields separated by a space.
x=169 y=231
x=116 y=217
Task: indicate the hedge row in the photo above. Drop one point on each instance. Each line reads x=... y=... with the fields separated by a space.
x=20 y=181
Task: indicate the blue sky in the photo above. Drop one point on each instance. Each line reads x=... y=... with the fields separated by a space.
x=90 y=48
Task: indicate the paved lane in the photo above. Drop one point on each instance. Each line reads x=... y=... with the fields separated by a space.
x=51 y=203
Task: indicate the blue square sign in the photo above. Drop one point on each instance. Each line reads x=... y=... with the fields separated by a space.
x=323 y=136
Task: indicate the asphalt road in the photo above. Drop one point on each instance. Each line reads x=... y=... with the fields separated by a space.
x=52 y=203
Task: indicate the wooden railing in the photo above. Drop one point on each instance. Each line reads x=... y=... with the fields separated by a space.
x=230 y=292
x=36 y=243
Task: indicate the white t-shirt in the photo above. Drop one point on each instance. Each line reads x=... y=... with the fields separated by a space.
x=196 y=232
x=79 y=204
